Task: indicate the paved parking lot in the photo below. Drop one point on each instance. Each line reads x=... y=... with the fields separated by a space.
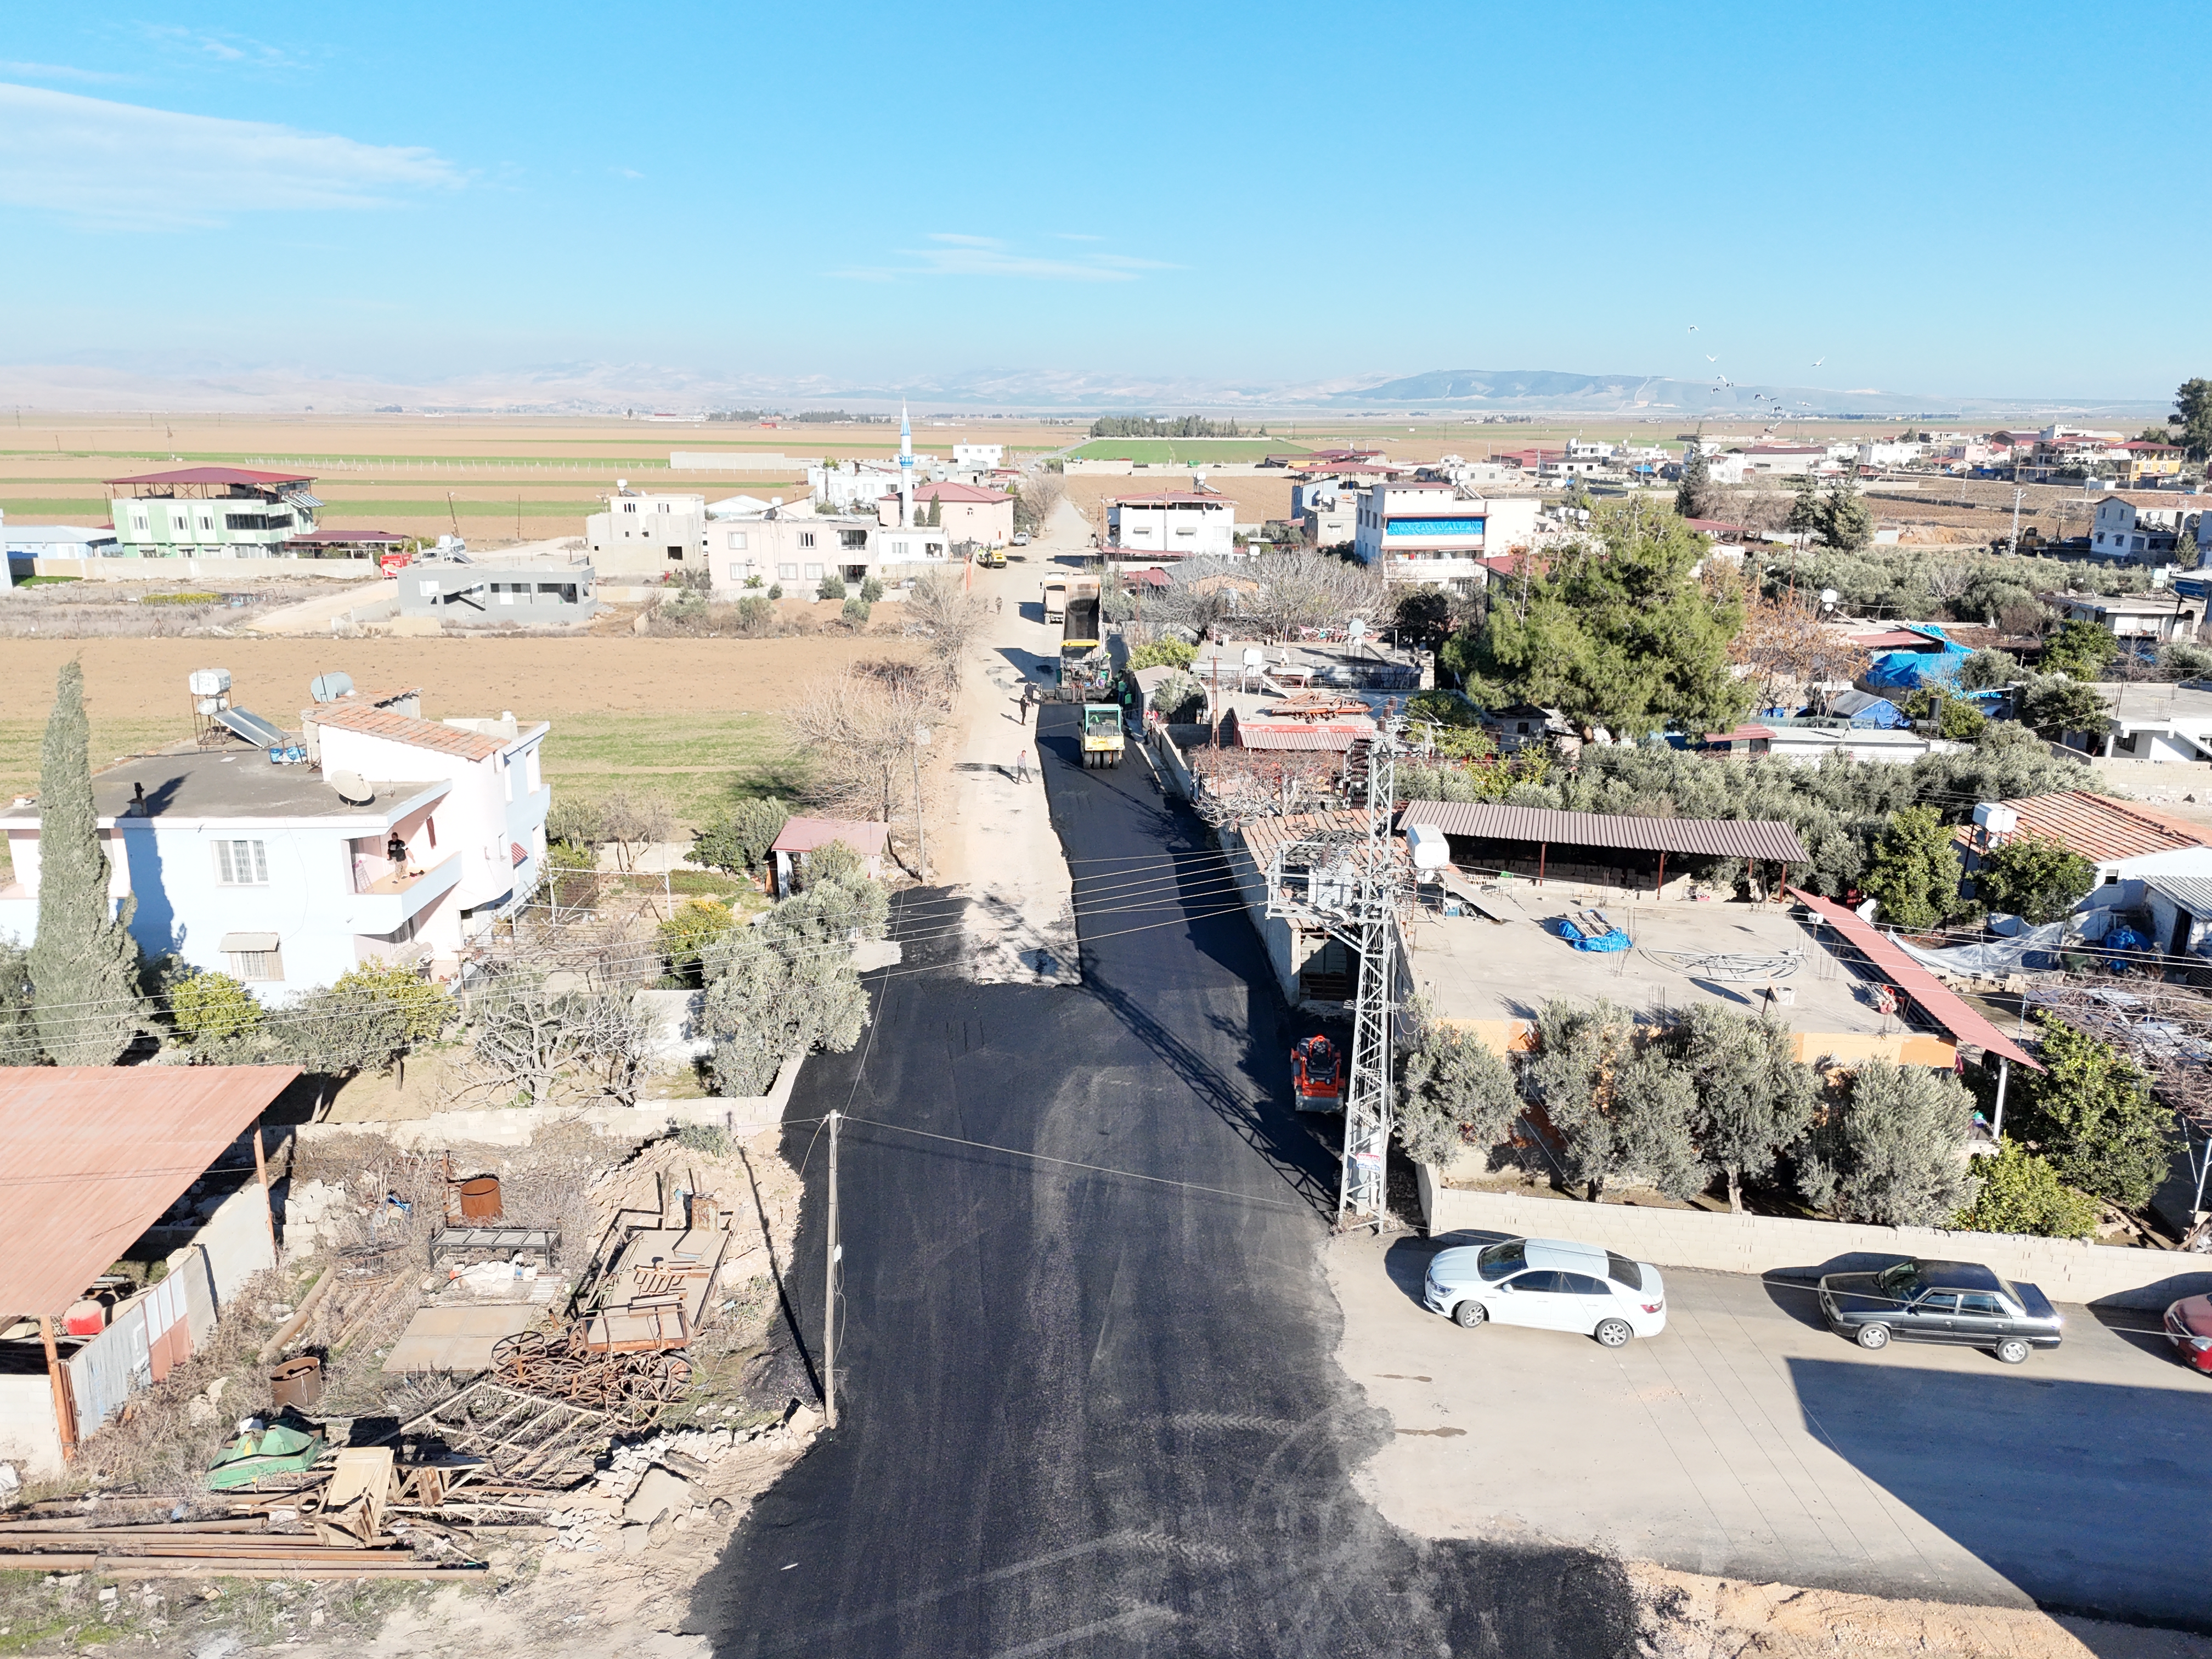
x=1748 y=1441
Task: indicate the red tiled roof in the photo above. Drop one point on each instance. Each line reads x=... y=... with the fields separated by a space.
x=957 y=492
x=811 y=835
x=395 y=727
x=1939 y=1004
x=2099 y=829
x=90 y=1157
x=210 y=475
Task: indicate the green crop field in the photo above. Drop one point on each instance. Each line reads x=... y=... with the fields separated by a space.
x=1188 y=451
x=702 y=762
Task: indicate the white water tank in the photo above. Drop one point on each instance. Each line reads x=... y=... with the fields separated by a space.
x=1996 y=818
x=208 y=682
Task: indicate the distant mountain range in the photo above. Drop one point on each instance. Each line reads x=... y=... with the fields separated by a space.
x=112 y=381
x=1549 y=390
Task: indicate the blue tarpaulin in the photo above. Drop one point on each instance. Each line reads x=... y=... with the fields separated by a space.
x=1907 y=671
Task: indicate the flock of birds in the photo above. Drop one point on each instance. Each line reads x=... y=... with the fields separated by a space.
x=1721 y=382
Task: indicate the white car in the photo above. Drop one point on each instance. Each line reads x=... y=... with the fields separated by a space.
x=1550 y=1283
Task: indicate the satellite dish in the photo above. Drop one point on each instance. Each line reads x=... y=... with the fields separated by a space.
x=329 y=688
x=352 y=787
x=1356 y=629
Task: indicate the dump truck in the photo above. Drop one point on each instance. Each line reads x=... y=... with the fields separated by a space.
x=1102 y=734
x=1087 y=672
x=1055 y=598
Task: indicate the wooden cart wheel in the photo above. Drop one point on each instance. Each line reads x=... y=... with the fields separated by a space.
x=672 y=1376
x=520 y=1345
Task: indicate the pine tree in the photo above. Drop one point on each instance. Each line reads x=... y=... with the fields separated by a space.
x=1695 y=497
x=1846 y=524
x=84 y=964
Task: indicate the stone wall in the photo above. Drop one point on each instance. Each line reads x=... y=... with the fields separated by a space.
x=1779 y=1246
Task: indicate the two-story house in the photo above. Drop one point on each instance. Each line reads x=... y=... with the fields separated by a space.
x=1436 y=535
x=647 y=533
x=408 y=841
x=2146 y=526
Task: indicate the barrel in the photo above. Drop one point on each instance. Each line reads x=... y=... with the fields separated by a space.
x=480 y=1198
x=297 y=1384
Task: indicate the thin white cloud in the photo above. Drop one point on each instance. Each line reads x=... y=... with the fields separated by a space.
x=122 y=166
x=221 y=46
x=61 y=72
x=952 y=254
x=1075 y=236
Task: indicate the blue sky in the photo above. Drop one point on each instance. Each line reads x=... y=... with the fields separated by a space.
x=1926 y=197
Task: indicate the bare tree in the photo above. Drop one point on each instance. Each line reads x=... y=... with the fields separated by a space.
x=635 y=822
x=1270 y=597
x=942 y=611
x=524 y=1034
x=857 y=729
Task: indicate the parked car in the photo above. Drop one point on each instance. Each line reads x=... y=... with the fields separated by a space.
x=1550 y=1283
x=1021 y=538
x=2189 y=1324
x=1960 y=1302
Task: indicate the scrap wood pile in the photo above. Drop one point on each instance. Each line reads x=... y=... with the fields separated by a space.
x=351 y=1512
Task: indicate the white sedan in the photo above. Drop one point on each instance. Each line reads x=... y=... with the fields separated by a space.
x=1550 y=1283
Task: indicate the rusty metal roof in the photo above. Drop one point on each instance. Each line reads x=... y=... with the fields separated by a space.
x=1724 y=838
x=91 y=1156
x=1938 y=1003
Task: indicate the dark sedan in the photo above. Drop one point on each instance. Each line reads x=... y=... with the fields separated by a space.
x=1960 y=1302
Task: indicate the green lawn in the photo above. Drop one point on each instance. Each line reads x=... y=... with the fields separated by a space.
x=702 y=762
x=1188 y=451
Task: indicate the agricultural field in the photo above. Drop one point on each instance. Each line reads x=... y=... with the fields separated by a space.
x=695 y=719
x=1188 y=451
x=495 y=479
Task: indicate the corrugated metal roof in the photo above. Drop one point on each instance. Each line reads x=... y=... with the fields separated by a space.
x=1941 y=1005
x=2193 y=893
x=2099 y=829
x=1336 y=737
x=1727 y=838
x=214 y=474
x=90 y=1157
x=396 y=727
x=806 y=834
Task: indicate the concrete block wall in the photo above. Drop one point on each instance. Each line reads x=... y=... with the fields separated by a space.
x=208 y=570
x=1788 y=1248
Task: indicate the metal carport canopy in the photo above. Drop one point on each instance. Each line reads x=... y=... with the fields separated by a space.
x=1728 y=838
x=1944 y=1005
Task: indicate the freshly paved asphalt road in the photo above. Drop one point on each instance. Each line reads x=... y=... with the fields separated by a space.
x=1085 y=1413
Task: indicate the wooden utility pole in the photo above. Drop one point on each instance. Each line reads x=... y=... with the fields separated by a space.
x=65 y=1408
x=830 y=1293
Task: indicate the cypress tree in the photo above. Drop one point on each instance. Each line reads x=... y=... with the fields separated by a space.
x=84 y=964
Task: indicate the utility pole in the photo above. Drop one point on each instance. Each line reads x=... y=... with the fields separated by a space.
x=2018 y=495
x=830 y=1291
x=1355 y=898
x=920 y=829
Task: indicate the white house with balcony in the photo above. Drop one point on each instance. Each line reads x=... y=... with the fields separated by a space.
x=795 y=548
x=1436 y=535
x=2148 y=525
x=409 y=841
x=1172 y=525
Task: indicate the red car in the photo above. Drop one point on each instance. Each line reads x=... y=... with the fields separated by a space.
x=2189 y=1323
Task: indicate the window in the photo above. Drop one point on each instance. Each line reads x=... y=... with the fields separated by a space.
x=676 y=554
x=813 y=572
x=256 y=521
x=1980 y=1303
x=629 y=506
x=241 y=863
x=807 y=538
x=853 y=541
x=1583 y=1285
x=664 y=507
x=207 y=521
x=1543 y=1279
x=1937 y=1304
x=1500 y=1259
x=1623 y=1271
x=737 y=541
x=427 y=588
x=250 y=965
x=787 y=573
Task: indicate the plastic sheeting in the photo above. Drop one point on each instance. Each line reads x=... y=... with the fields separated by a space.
x=2035 y=949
